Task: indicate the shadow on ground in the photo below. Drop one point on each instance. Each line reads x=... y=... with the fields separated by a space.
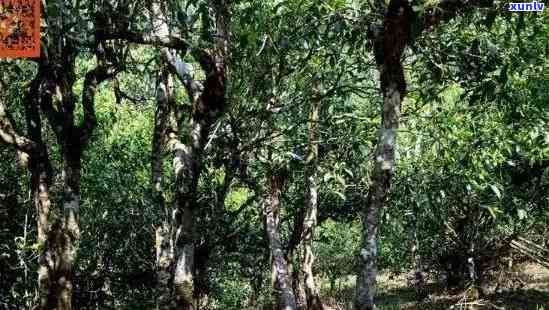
x=528 y=292
x=404 y=298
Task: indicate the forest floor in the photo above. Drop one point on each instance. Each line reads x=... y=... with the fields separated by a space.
x=525 y=289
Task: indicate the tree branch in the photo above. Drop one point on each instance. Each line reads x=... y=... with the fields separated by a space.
x=8 y=134
x=106 y=69
x=448 y=9
x=183 y=72
x=92 y=80
x=168 y=41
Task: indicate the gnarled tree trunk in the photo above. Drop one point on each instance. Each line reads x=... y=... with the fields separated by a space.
x=69 y=231
x=208 y=103
x=162 y=128
x=33 y=148
x=311 y=211
x=296 y=271
x=282 y=275
x=40 y=182
x=389 y=45
x=61 y=235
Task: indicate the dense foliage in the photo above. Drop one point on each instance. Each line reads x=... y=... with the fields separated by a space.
x=244 y=154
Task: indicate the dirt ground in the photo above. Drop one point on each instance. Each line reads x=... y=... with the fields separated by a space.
x=526 y=288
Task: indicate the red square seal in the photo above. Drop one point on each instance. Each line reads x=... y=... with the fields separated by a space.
x=19 y=28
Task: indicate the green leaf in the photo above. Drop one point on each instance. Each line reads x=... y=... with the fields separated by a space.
x=492 y=210
x=340 y=180
x=522 y=214
x=495 y=190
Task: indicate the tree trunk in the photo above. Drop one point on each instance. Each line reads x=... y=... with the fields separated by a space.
x=297 y=280
x=208 y=103
x=56 y=238
x=40 y=180
x=40 y=185
x=164 y=245
x=68 y=234
x=310 y=218
x=471 y=266
x=51 y=93
x=282 y=276
x=201 y=284
x=419 y=279
x=60 y=247
x=389 y=45
x=366 y=279
x=184 y=264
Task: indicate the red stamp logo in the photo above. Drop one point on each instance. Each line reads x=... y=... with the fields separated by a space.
x=19 y=28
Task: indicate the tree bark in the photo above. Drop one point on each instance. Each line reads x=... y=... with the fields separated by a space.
x=51 y=93
x=42 y=203
x=60 y=235
x=54 y=270
x=311 y=211
x=164 y=126
x=301 y=240
x=389 y=42
x=389 y=45
x=297 y=277
x=282 y=276
x=40 y=176
x=419 y=279
x=166 y=135
x=40 y=181
x=40 y=171
x=69 y=233
x=208 y=104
